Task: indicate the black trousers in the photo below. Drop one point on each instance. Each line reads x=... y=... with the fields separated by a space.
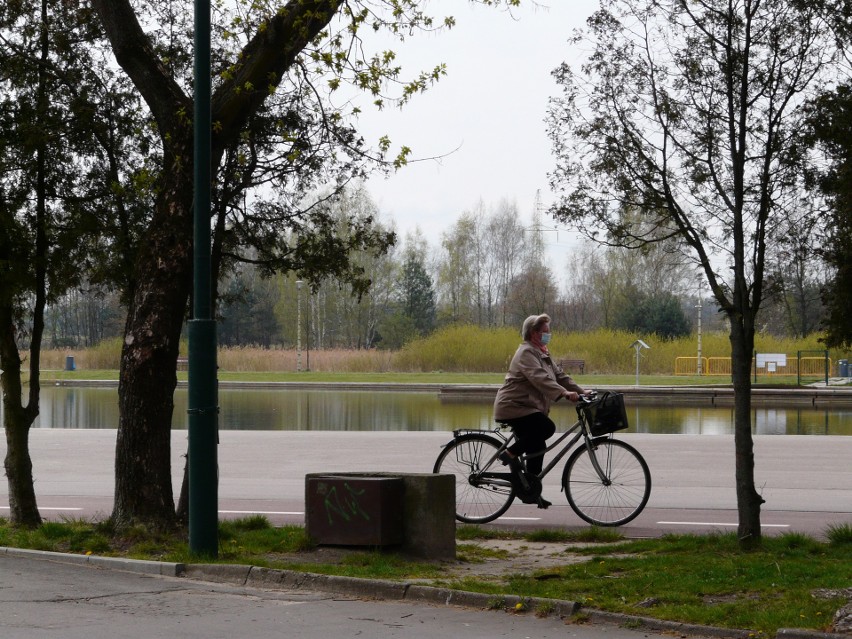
x=531 y=435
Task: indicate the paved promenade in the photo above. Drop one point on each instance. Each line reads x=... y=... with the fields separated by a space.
x=805 y=480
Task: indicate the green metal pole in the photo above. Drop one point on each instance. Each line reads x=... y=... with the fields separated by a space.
x=203 y=403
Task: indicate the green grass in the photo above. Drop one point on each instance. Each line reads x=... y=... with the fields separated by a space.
x=694 y=579
x=592 y=534
x=702 y=579
x=839 y=534
x=474 y=553
x=436 y=377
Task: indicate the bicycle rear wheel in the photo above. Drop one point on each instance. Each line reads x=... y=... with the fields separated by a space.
x=619 y=498
x=479 y=499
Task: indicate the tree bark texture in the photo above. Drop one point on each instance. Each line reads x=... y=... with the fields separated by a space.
x=18 y=419
x=748 y=499
x=143 y=485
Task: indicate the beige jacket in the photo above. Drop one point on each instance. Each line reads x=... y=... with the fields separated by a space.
x=532 y=384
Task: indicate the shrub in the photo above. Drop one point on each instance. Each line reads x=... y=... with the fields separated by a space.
x=464 y=348
x=460 y=348
x=839 y=534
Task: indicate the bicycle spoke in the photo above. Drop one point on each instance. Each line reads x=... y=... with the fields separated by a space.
x=478 y=499
x=621 y=497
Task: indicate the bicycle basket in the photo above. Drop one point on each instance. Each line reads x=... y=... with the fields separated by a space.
x=606 y=414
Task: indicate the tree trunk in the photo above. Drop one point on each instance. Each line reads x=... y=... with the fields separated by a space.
x=143 y=484
x=23 y=507
x=182 y=511
x=18 y=419
x=748 y=500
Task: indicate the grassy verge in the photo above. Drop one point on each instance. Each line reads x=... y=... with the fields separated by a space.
x=693 y=579
x=590 y=381
x=701 y=579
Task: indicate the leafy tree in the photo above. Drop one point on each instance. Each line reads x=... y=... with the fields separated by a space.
x=607 y=285
x=659 y=314
x=348 y=311
x=52 y=193
x=481 y=254
x=686 y=112
x=457 y=271
x=247 y=309
x=795 y=274
x=531 y=292
x=505 y=250
x=395 y=329
x=417 y=294
x=828 y=128
x=260 y=50
x=579 y=310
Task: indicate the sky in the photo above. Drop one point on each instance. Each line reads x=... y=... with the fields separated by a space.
x=486 y=116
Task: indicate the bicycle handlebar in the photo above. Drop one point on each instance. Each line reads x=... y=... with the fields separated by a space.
x=588 y=398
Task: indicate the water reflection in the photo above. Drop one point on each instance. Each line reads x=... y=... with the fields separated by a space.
x=249 y=409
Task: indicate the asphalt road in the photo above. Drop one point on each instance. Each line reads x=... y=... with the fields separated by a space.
x=805 y=480
x=42 y=599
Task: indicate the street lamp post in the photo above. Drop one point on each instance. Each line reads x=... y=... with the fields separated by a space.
x=308 y=332
x=299 y=325
x=698 y=366
x=202 y=392
x=638 y=345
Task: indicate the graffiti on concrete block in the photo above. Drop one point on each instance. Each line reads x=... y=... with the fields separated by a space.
x=344 y=504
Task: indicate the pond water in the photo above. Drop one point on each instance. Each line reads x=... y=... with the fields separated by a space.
x=292 y=409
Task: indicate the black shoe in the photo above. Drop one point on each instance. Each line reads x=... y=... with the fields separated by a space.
x=526 y=496
x=543 y=503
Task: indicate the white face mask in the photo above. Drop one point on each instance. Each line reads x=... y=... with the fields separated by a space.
x=545 y=338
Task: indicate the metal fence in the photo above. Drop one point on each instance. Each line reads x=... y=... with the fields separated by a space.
x=794 y=367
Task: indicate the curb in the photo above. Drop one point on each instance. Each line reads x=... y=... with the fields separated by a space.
x=661 y=625
x=382 y=589
x=163 y=568
x=255 y=577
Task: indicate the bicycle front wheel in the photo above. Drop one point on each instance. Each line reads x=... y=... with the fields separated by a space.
x=479 y=499
x=619 y=497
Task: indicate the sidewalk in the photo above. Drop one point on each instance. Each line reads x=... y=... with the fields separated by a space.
x=367 y=590
x=806 y=480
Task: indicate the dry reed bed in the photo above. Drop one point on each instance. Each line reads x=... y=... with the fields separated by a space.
x=459 y=349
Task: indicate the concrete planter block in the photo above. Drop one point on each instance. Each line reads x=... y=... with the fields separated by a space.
x=412 y=511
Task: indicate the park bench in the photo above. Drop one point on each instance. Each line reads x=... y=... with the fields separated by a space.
x=573 y=365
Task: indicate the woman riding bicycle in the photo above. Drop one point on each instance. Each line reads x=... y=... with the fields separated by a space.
x=532 y=384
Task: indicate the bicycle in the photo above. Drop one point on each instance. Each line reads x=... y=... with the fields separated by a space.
x=606 y=481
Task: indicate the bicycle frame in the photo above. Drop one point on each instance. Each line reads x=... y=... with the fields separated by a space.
x=565 y=450
x=583 y=433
